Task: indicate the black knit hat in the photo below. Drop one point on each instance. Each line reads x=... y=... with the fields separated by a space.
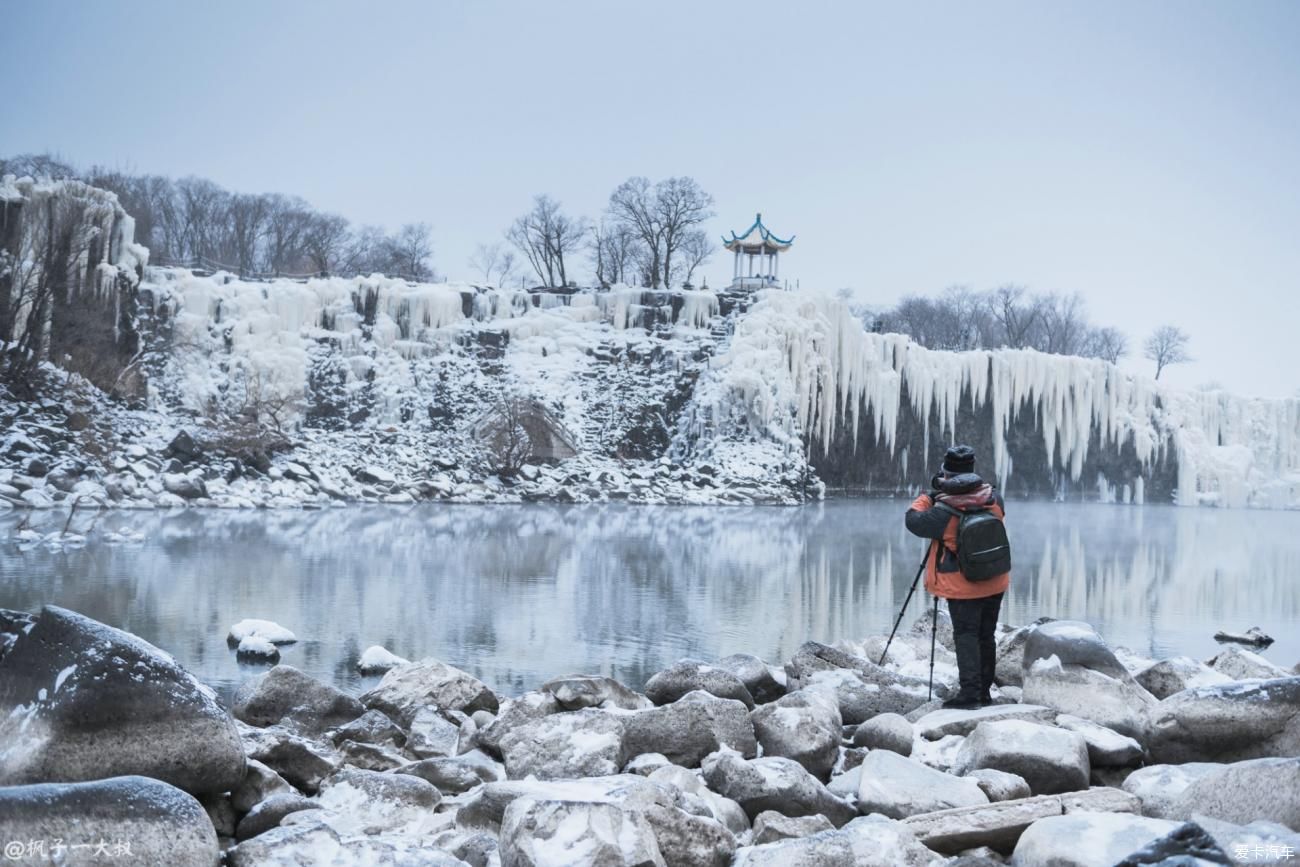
x=959 y=459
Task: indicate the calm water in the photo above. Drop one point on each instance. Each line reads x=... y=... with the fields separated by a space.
x=516 y=594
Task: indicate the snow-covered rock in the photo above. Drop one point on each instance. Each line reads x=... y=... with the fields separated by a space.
x=1240 y=720
x=377 y=660
x=1086 y=839
x=690 y=728
x=407 y=688
x=256 y=648
x=773 y=783
x=287 y=696
x=542 y=833
x=687 y=675
x=955 y=721
x=1176 y=674
x=268 y=813
x=1106 y=748
x=999 y=785
x=1050 y=760
x=802 y=725
x=267 y=629
x=1241 y=664
x=897 y=787
x=584 y=743
x=886 y=731
x=1160 y=787
x=771 y=826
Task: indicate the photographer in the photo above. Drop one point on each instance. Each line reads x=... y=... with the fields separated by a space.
x=969 y=564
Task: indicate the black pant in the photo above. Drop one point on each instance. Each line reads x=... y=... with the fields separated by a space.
x=974 y=622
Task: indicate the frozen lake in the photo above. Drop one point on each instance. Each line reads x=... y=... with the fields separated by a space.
x=517 y=594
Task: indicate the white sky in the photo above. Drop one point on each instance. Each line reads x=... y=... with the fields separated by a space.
x=1144 y=155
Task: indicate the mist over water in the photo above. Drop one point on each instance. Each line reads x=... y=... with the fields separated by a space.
x=518 y=594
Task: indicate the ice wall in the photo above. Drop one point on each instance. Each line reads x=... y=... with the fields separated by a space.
x=800 y=368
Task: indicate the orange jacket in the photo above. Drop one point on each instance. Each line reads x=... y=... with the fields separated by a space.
x=942 y=574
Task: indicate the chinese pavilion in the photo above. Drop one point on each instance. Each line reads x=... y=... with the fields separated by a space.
x=759 y=249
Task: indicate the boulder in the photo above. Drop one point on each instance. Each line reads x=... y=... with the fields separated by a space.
x=773 y=784
x=301 y=762
x=141 y=821
x=542 y=833
x=1188 y=844
x=1159 y=787
x=455 y=776
x=434 y=732
x=185 y=487
x=530 y=706
x=259 y=783
x=897 y=787
x=378 y=660
x=1050 y=760
x=1106 y=748
x=316 y=844
x=770 y=826
x=1071 y=670
x=1246 y=791
x=687 y=840
x=886 y=731
x=578 y=691
x=401 y=790
x=299 y=701
x=1239 y=663
x=370 y=757
x=584 y=743
x=407 y=688
x=485 y=808
x=1176 y=674
x=999 y=825
x=803 y=726
x=726 y=811
x=999 y=785
x=1245 y=720
x=756 y=675
x=372 y=727
x=1086 y=839
x=268 y=629
x=82 y=701
x=688 y=676
x=184 y=448
x=1011 y=653
x=690 y=728
x=868 y=841
x=646 y=764
x=268 y=814
x=953 y=721
x=864 y=689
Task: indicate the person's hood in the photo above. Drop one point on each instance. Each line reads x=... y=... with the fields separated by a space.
x=965 y=491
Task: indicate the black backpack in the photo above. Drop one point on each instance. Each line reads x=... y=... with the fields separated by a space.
x=983 y=550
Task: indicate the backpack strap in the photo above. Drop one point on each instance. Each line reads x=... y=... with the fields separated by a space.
x=940 y=504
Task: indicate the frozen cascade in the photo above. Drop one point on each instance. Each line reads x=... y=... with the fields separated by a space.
x=800 y=365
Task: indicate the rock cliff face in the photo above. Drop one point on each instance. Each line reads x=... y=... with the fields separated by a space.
x=730 y=388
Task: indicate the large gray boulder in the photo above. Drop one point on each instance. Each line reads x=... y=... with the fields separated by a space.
x=584 y=743
x=868 y=841
x=689 y=729
x=542 y=833
x=999 y=785
x=897 y=787
x=804 y=726
x=484 y=809
x=299 y=701
x=770 y=826
x=688 y=675
x=140 y=821
x=1086 y=839
x=578 y=691
x=954 y=721
x=269 y=813
x=1239 y=663
x=80 y=700
x=1106 y=748
x=1160 y=787
x=433 y=732
x=1071 y=670
x=530 y=706
x=455 y=776
x=886 y=731
x=773 y=784
x=1050 y=760
x=727 y=812
x=407 y=688
x=301 y=762
x=687 y=840
x=1176 y=674
x=372 y=727
x=1010 y=669
x=1246 y=791
x=756 y=675
x=863 y=688
x=1241 y=720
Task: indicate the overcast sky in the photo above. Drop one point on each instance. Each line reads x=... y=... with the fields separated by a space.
x=1146 y=155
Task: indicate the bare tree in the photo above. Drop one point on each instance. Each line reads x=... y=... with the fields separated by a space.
x=1167 y=345
x=1016 y=314
x=286 y=221
x=696 y=249
x=546 y=235
x=365 y=252
x=1108 y=343
x=613 y=252
x=662 y=216
x=203 y=212
x=682 y=205
x=632 y=204
x=247 y=227
x=411 y=249
x=508 y=442
x=324 y=240
x=1064 y=324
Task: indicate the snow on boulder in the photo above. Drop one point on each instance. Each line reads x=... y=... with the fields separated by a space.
x=1255 y=789
x=1069 y=668
x=863 y=688
x=955 y=721
x=1050 y=760
x=885 y=731
x=867 y=841
x=485 y=808
x=288 y=696
x=159 y=824
x=258 y=649
x=773 y=783
x=377 y=660
x=688 y=675
x=804 y=726
x=1241 y=664
x=576 y=691
x=541 y=833
x=358 y=801
x=80 y=700
x=690 y=728
x=1159 y=787
x=267 y=629
x=1106 y=748
x=898 y=787
x=1086 y=839
x=407 y=688
x=1176 y=674
x=584 y=743
x=1239 y=720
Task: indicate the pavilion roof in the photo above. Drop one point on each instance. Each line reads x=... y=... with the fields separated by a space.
x=757 y=235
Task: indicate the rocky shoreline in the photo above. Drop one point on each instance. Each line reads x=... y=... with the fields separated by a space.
x=1088 y=756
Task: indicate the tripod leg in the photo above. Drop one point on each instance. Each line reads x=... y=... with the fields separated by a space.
x=903 y=610
x=934 y=631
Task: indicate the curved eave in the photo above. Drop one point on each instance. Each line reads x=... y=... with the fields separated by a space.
x=765 y=237
x=745 y=245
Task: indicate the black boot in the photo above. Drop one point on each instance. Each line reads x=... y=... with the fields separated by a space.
x=963 y=701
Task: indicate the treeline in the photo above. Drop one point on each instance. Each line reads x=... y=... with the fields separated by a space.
x=252 y=234
x=1008 y=316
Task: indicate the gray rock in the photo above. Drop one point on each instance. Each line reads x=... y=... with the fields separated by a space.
x=434 y=732
x=897 y=787
x=221 y=813
x=1110 y=837
x=1070 y=669
x=846 y=785
x=726 y=811
x=370 y=757
x=802 y=726
x=578 y=691
x=185 y=487
x=1011 y=653
x=1246 y=791
x=539 y=833
x=406 y=689
x=1246 y=720
x=484 y=809
x=1176 y=674
x=755 y=674
x=689 y=729
x=1239 y=663
x=259 y=783
x=868 y=841
x=1159 y=787
x=300 y=845
x=301 y=762
x=688 y=676
x=773 y=784
x=952 y=721
x=455 y=776
x=1050 y=760
x=268 y=814
x=80 y=701
x=1106 y=748
x=401 y=790
x=770 y=826
x=687 y=840
x=513 y=712
x=299 y=701
x=863 y=688
x=646 y=764
x=886 y=731
x=372 y=727
x=160 y=825
x=584 y=743
x=999 y=785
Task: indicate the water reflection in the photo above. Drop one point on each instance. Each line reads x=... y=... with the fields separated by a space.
x=519 y=593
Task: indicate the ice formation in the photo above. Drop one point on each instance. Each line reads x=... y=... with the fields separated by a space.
x=800 y=365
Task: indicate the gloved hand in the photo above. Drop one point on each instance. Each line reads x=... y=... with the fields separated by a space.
x=934 y=485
